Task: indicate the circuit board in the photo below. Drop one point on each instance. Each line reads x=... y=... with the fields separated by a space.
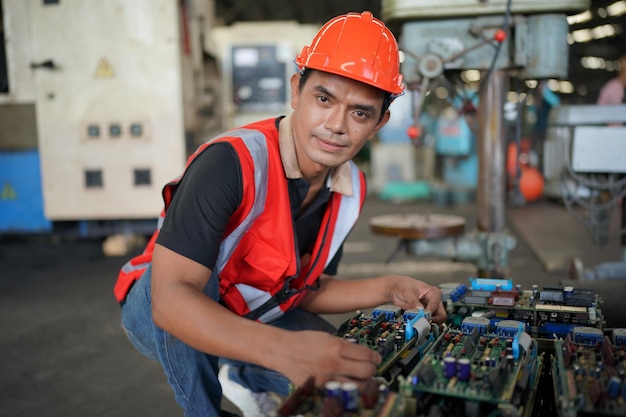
x=588 y=370
x=476 y=370
x=471 y=371
x=487 y=361
x=549 y=312
x=374 y=400
x=400 y=337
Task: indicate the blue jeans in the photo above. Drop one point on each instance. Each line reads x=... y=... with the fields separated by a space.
x=193 y=374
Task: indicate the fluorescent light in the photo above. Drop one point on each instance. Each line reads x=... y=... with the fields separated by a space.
x=579 y=18
x=617 y=9
x=566 y=87
x=604 y=31
x=470 y=75
x=582 y=35
x=598 y=32
x=593 y=62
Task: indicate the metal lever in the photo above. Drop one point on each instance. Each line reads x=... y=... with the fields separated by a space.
x=47 y=64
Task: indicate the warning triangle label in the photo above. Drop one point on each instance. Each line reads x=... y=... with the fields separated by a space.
x=104 y=69
x=8 y=192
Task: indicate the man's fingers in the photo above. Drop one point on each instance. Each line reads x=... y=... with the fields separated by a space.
x=357 y=353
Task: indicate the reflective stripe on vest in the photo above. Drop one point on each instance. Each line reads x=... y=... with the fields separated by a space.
x=257 y=146
x=347 y=215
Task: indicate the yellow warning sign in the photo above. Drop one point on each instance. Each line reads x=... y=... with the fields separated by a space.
x=8 y=192
x=104 y=69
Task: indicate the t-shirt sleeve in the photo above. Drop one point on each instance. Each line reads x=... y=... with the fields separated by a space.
x=207 y=196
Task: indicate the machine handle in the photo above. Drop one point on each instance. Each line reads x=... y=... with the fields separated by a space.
x=47 y=64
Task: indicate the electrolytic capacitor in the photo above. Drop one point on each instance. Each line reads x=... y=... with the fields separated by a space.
x=464 y=369
x=567 y=292
x=333 y=389
x=350 y=394
x=613 y=387
x=399 y=341
x=510 y=360
x=449 y=367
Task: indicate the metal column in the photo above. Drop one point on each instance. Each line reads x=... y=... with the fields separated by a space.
x=491 y=193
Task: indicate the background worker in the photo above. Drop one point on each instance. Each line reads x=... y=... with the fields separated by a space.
x=252 y=236
x=613 y=91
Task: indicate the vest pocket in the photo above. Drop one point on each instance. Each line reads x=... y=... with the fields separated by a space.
x=262 y=266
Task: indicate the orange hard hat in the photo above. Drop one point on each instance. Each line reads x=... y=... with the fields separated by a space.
x=356 y=46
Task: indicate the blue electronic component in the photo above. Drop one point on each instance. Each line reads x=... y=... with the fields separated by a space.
x=509 y=328
x=619 y=338
x=550 y=329
x=470 y=323
x=458 y=292
x=587 y=336
x=449 y=367
x=390 y=312
x=413 y=313
x=416 y=323
x=613 y=387
x=491 y=284
x=464 y=369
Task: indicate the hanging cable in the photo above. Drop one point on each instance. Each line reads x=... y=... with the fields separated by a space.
x=499 y=37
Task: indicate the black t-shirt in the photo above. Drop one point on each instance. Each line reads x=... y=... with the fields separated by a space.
x=210 y=192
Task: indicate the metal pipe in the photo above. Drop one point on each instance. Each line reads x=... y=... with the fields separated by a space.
x=491 y=192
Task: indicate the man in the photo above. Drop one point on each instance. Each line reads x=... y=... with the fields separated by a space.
x=612 y=92
x=252 y=234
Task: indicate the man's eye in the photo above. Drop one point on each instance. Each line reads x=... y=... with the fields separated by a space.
x=323 y=99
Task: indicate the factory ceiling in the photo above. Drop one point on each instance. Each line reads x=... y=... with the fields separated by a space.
x=600 y=34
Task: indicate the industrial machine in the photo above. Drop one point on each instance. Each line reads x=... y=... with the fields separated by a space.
x=584 y=166
x=503 y=40
x=100 y=104
x=256 y=62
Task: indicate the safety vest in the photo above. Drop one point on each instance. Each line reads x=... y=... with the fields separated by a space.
x=260 y=271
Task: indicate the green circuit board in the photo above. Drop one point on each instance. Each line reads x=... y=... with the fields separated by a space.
x=495 y=370
x=588 y=370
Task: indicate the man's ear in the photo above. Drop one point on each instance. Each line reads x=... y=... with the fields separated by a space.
x=383 y=121
x=295 y=89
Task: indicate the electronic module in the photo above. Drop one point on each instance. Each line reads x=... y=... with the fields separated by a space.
x=588 y=369
x=550 y=312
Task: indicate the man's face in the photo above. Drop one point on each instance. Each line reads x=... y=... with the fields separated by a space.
x=333 y=118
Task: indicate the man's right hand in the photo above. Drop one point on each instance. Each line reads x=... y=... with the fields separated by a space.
x=325 y=358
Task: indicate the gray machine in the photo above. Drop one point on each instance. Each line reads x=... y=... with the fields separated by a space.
x=502 y=39
x=585 y=166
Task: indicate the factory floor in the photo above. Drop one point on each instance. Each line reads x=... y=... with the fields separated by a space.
x=62 y=352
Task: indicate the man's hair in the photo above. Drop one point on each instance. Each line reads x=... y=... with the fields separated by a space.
x=304 y=75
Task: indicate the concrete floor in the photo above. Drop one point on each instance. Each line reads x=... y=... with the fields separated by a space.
x=63 y=354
